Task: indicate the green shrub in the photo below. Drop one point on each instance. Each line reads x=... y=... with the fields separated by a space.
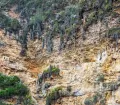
x=19 y=90
x=101 y=14
x=7 y=81
x=111 y=86
x=27 y=100
x=113 y=31
x=53 y=95
x=96 y=98
x=15 y=25
x=11 y=86
x=7 y=93
x=93 y=100
x=51 y=70
x=92 y=18
x=102 y=102
x=88 y=101
x=107 y=5
x=100 y=78
x=2 y=103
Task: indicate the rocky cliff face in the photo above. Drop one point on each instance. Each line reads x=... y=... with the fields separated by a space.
x=89 y=71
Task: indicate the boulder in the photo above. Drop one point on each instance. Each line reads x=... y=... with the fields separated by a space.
x=78 y=93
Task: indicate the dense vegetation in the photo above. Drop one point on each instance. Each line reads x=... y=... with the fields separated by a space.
x=11 y=86
x=46 y=19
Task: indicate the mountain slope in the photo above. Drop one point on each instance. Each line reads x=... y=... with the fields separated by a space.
x=89 y=67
